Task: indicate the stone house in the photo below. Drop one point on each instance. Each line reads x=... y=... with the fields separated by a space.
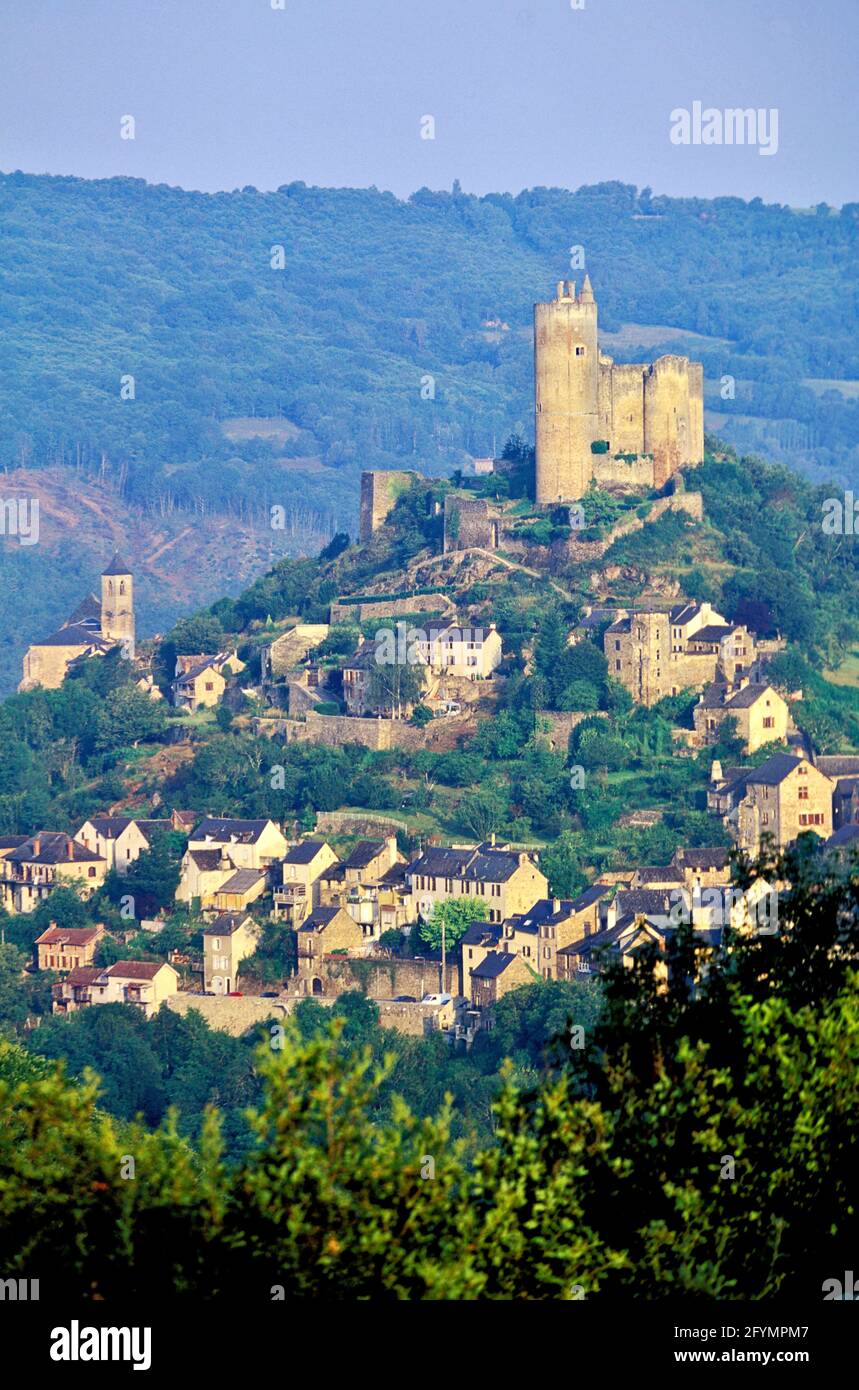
x=551 y=924
x=303 y=866
x=497 y=974
x=508 y=881
x=760 y=713
x=201 y=684
x=202 y=874
x=782 y=798
x=66 y=948
x=243 y=887
x=230 y=938
x=251 y=844
x=372 y=886
x=119 y=840
x=658 y=654
x=325 y=930
x=143 y=984
x=45 y=861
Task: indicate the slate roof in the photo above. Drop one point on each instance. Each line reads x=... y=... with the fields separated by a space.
x=363 y=854
x=480 y=865
x=661 y=873
x=245 y=832
x=87 y=611
x=110 y=826
x=847 y=835
x=595 y=618
x=225 y=924
x=116 y=566
x=207 y=859
x=482 y=934
x=622 y=625
x=75 y=635
x=838 y=765
x=683 y=613
x=716 y=696
x=242 y=881
x=319 y=918
x=703 y=858
x=713 y=633
x=494 y=965
x=656 y=901
x=304 y=852
x=773 y=771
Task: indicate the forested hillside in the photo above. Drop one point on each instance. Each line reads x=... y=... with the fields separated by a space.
x=116 y=278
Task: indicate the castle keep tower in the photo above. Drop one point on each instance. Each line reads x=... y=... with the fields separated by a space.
x=582 y=398
x=566 y=382
x=117 y=604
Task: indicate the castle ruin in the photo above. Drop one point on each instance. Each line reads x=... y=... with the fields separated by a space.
x=589 y=410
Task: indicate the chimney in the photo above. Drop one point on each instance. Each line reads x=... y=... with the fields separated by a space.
x=556 y=905
x=70 y=847
x=37 y=846
x=742 y=683
x=570 y=289
x=391 y=843
x=716 y=775
x=492 y=839
x=560 y=289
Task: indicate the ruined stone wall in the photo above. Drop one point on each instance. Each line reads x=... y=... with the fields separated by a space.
x=667 y=428
x=609 y=471
x=469 y=521
x=381 y=977
x=343 y=611
x=379 y=735
x=561 y=725
x=627 y=408
x=379 y=493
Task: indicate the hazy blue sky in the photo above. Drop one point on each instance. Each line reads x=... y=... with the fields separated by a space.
x=523 y=92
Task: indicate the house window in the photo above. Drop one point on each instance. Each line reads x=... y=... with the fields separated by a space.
x=91 y=873
x=580 y=352
x=617 y=665
x=769 y=722
x=803 y=793
x=617 y=645
x=210 y=685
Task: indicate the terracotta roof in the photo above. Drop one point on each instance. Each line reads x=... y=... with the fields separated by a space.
x=55 y=847
x=135 y=969
x=69 y=936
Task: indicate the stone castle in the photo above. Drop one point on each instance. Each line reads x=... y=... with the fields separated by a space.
x=590 y=409
x=92 y=629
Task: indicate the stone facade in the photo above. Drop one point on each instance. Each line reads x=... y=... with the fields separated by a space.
x=379 y=493
x=760 y=714
x=783 y=798
x=583 y=397
x=658 y=654
x=468 y=522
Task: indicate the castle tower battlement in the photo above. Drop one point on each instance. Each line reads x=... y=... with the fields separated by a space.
x=582 y=398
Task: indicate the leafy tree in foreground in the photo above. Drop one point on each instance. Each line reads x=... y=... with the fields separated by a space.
x=703 y=1143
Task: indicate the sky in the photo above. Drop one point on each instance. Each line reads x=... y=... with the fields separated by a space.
x=228 y=93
